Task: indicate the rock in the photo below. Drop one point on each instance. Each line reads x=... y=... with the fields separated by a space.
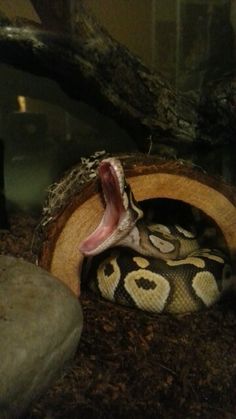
x=40 y=327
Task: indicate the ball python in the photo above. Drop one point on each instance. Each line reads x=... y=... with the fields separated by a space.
x=153 y=267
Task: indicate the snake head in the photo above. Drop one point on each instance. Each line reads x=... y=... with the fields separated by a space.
x=121 y=210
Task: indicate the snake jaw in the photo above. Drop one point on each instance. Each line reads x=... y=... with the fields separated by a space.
x=119 y=217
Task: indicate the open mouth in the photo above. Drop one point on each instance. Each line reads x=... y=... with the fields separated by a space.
x=112 y=191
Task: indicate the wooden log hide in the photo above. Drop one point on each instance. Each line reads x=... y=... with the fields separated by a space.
x=81 y=211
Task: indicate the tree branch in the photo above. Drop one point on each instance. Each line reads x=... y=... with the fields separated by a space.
x=94 y=68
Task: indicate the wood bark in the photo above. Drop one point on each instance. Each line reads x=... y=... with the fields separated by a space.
x=82 y=209
x=91 y=66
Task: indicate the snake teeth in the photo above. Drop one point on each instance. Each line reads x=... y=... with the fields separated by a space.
x=121 y=213
x=117 y=167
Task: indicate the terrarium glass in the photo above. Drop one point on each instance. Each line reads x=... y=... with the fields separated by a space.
x=45 y=129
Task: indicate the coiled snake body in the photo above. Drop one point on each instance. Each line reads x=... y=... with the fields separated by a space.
x=155 y=267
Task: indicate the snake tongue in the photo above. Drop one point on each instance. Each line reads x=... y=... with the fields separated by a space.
x=99 y=239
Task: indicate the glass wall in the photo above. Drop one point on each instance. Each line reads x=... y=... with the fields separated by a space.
x=44 y=130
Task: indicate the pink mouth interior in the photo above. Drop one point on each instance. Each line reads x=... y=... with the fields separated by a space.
x=113 y=211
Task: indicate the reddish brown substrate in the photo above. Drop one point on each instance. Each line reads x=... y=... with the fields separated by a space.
x=131 y=364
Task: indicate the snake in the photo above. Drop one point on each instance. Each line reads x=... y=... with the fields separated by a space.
x=153 y=267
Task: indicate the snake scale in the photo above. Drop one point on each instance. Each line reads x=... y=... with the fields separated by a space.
x=153 y=267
